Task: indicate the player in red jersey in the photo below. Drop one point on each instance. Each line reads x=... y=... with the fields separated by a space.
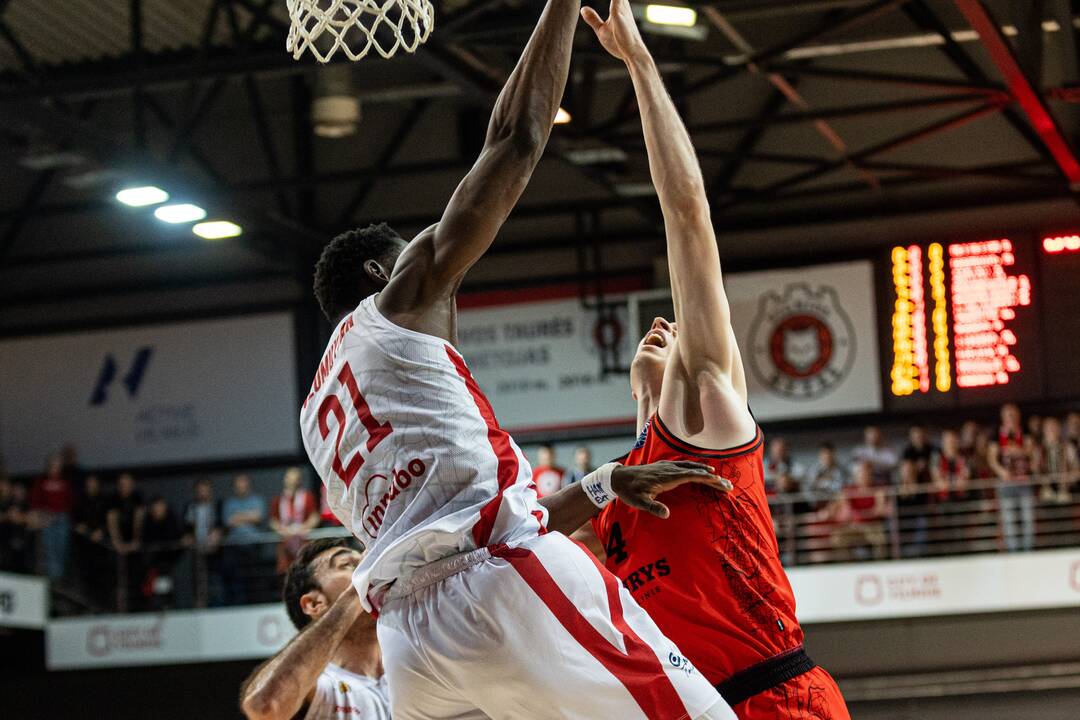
x=710 y=575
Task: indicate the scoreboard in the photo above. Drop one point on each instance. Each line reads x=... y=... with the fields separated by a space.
x=966 y=321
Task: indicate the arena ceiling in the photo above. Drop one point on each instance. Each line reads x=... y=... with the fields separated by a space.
x=804 y=113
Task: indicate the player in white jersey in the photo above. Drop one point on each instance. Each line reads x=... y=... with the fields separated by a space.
x=483 y=612
x=332 y=670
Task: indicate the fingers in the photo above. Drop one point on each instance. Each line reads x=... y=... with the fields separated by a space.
x=688 y=465
x=654 y=507
x=592 y=18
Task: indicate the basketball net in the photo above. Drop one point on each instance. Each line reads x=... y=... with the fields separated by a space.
x=356 y=27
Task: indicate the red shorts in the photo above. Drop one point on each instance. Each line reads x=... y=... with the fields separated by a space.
x=813 y=695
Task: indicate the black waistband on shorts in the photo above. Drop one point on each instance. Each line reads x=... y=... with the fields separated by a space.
x=767 y=674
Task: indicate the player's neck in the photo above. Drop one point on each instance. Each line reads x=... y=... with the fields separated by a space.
x=359 y=653
x=647 y=404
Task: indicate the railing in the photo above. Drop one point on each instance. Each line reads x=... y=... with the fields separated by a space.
x=1024 y=514
x=811 y=529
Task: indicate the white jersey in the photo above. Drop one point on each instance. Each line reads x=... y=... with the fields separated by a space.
x=414 y=462
x=342 y=695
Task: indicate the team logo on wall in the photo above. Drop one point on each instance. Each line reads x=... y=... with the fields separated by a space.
x=802 y=343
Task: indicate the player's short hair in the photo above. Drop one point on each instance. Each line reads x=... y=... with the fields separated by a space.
x=300 y=577
x=340 y=281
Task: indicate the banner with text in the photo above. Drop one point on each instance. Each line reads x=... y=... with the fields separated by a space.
x=808 y=338
x=950 y=586
x=539 y=364
x=189 y=636
x=24 y=601
x=157 y=394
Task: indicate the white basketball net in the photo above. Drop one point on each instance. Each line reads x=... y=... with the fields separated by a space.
x=355 y=27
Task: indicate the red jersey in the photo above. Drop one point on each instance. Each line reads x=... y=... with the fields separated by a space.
x=709 y=575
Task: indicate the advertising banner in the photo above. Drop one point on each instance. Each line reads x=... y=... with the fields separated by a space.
x=539 y=364
x=156 y=394
x=808 y=338
x=24 y=601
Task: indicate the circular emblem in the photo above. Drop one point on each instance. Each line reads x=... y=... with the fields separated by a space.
x=269 y=631
x=802 y=343
x=869 y=590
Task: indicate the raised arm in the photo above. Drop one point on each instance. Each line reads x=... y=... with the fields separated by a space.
x=278 y=688
x=637 y=486
x=705 y=338
x=431 y=268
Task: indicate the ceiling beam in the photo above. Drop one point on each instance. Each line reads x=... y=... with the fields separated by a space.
x=1022 y=88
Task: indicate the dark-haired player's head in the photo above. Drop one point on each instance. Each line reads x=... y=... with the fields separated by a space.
x=355 y=265
x=651 y=358
x=317 y=577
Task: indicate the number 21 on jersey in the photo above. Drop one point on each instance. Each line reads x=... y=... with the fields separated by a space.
x=332 y=407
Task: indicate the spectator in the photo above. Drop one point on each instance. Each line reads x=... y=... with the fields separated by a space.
x=204 y=528
x=16 y=542
x=881 y=457
x=860 y=515
x=950 y=471
x=1059 y=462
x=1072 y=429
x=583 y=465
x=919 y=452
x=826 y=478
x=89 y=518
x=329 y=519
x=125 y=523
x=912 y=511
x=1012 y=458
x=547 y=476
x=1035 y=428
x=782 y=474
x=72 y=470
x=969 y=435
x=244 y=514
x=293 y=514
x=7 y=524
x=162 y=535
x=50 y=503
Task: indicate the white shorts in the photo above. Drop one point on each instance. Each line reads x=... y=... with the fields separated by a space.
x=538 y=631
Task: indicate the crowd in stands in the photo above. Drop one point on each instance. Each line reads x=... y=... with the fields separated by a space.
x=972 y=488
x=966 y=489
x=117 y=549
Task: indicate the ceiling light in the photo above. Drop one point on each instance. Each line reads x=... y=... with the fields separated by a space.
x=142 y=196
x=562 y=117
x=217 y=229
x=671 y=15
x=182 y=213
x=597 y=156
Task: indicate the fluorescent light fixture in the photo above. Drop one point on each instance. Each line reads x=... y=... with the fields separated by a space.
x=142 y=196
x=671 y=15
x=562 y=117
x=181 y=213
x=217 y=229
x=596 y=156
x=635 y=190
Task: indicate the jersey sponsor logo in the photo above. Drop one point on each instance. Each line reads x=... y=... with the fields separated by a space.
x=680 y=663
x=387 y=489
x=131 y=381
x=646 y=574
x=802 y=342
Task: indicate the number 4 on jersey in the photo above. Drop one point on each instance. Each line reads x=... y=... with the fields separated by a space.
x=377 y=431
x=616 y=546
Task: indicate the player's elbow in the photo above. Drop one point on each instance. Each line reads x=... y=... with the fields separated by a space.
x=688 y=205
x=521 y=138
x=260 y=706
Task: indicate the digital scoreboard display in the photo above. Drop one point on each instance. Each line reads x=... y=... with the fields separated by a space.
x=965 y=326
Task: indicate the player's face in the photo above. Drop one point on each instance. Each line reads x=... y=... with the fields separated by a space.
x=651 y=358
x=333 y=571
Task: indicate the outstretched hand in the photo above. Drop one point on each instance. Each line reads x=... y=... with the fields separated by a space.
x=638 y=485
x=619 y=33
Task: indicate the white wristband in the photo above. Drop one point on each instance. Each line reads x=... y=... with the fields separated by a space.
x=597 y=485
